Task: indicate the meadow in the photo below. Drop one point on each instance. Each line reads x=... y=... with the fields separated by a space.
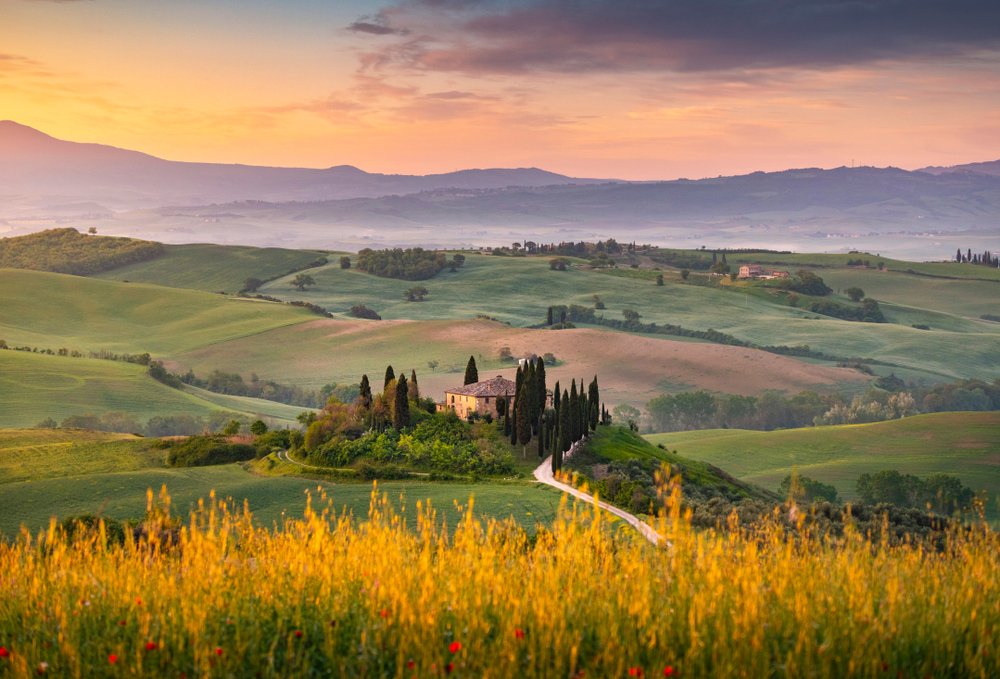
x=213 y=268
x=39 y=386
x=966 y=445
x=55 y=310
x=395 y=596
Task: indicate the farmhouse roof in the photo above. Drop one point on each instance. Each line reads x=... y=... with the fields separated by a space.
x=498 y=386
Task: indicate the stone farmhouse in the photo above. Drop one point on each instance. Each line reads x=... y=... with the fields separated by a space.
x=480 y=397
x=757 y=271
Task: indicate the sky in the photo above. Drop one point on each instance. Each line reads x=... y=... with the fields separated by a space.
x=630 y=89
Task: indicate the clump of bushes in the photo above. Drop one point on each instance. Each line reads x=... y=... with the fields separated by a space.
x=200 y=451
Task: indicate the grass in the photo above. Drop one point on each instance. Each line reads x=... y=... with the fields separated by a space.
x=38 y=386
x=213 y=268
x=519 y=291
x=329 y=596
x=55 y=310
x=966 y=445
x=809 y=260
x=34 y=454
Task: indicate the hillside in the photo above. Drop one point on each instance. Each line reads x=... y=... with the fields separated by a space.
x=37 y=386
x=214 y=268
x=69 y=251
x=54 y=310
x=966 y=445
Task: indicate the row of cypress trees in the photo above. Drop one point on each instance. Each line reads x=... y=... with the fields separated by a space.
x=392 y=404
x=555 y=425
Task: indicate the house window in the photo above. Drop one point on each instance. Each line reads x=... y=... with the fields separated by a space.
x=487 y=400
x=453 y=400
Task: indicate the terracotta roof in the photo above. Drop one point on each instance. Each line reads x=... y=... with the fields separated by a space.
x=498 y=386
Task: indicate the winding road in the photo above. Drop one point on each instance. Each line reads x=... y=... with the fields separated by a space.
x=543 y=474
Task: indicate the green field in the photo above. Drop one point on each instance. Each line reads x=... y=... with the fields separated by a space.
x=55 y=310
x=59 y=472
x=519 y=290
x=38 y=386
x=946 y=269
x=966 y=445
x=213 y=268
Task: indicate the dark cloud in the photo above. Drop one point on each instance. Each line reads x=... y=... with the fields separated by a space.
x=515 y=36
x=376 y=25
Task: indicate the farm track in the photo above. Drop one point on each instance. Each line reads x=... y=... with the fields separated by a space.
x=543 y=474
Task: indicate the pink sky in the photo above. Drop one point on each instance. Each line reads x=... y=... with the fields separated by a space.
x=627 y=89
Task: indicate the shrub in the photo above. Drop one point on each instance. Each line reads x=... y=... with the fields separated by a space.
x=200 y=451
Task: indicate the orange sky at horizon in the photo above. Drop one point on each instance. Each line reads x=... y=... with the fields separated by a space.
x=269 y=87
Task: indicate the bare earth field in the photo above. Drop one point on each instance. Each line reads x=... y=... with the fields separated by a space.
x=632 y=368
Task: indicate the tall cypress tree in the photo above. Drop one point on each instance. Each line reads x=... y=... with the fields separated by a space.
x=540 y=385
x=556 y=396
x=401 y=405
x=414 y=389
x=523 y=420
x=389 y=376
x=471 y=372
x=565 y=440
x=574 y=413
x=548 y=318
x=365 y=393
x=594 y=396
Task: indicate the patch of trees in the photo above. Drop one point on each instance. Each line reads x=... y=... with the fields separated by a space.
x=69 y=251
x=984 y=258
x=805 y=489
x=941 y=493
x=991 y=317
x=417 y=293
x=103 y=354
x=806 y=283
x=200 y=451
x=867 y=312
x=411 y=264
x=361 y=311
x=581 y=249
x=221 y=382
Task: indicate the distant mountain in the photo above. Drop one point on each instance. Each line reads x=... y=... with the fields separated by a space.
x=39 y=172
x=991 y=167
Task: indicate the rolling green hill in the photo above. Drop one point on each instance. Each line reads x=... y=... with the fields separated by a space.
x=55 y=310
x=966 y=445
x=37 y=386
x=519 y=291
x=213 y=268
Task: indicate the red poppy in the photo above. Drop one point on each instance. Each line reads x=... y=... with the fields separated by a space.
x=112 y=659
x=669 y=671
x=384 y=613
x=150 y=645
x=4 y=653
x=449 y=667
x=218 y=651
x=519 y=633
x=455 y=646
x=885 y=666
x=138 y=602
x=635 y=671
x=298 y=634
x=121 y=623
x=410 y=664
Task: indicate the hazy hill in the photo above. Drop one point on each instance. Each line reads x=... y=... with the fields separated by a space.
x=47 y=173
x=991 y=167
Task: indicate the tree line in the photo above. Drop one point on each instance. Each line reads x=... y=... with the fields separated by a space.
x=984 y=258
x=69 y=251
x=887 y=399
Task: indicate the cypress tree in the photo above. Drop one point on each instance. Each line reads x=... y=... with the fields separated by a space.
x=540 y=385
x=594 y=396
x=564 y=425
x=574 y=413
x=389 y=376
x=471 y=372
x=548 y=319
x=365 y=393
x=523 y=421
x=555 y=396
x=413 y=387
x=401 y=405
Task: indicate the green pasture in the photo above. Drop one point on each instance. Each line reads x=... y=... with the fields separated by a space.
x=55 y=310
x=33 y=454
x=38 y=386
x=213 y=268
x=946 y=269
x=966 y=445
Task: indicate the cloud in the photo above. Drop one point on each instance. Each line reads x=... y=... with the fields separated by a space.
x=375 y=25
x=479 y=37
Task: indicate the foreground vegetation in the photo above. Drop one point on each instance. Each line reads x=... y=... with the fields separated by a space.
x=396 y=596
